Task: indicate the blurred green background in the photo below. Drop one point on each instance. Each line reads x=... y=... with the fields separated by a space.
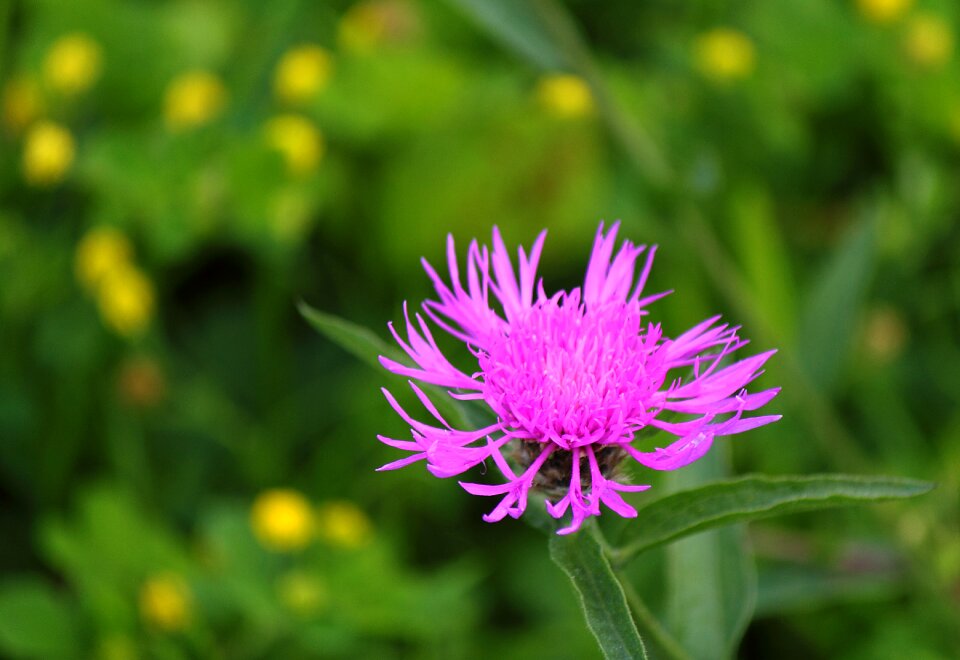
x=186 y=468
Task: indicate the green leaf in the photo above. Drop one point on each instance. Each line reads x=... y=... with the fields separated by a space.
x=830 y=312
x=35 y=622
x=518 y=24
x=711 y=578
x=787 y=589
x=368 y=347
x=751 y=498
x=762 y=249
x=604 y=604
x=360 y=342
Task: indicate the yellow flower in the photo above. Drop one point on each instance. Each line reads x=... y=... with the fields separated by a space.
x=193 y=99
x=48 y=153
x=165 y=602
x=125 y=299
x=565 y=95
x=100 y=251
x=298 y=141
x=73 y=63
x=282 y=520
x=302 y=593
x=22 y=103
x=929 y=41
x=724 y=55
x=883 y=12
x=343 y=524
x=302 y=73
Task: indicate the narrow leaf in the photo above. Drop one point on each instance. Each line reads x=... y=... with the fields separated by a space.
x=830 y=312
x=360 y=342
x=35 y=621
x=750 y=498
x=604 y=604
x=518 y=25
x=762 y=249
x=366 y=346
x=711 y=578
x=807 y=588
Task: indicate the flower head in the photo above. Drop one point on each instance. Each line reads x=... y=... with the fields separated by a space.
x=571 y=379
x=302 y=73
x=929 y=41
x=126 y=301
x=282 y=520
x=883 y=12
x=565 y=95
x=297 y=140
x=22 y=103
x=724 y=55
x=73 y=63
x=343 y=524
x=165 y=602
x=101 y=251
x=193 y=99
x=48 y=153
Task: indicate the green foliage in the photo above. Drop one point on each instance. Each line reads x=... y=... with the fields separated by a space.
x=752 y=498
x=828 y=320
x=35 y=621
x=811 y=198
x=604 y=605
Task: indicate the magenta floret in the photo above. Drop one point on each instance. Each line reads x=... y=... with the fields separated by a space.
x=571 y=378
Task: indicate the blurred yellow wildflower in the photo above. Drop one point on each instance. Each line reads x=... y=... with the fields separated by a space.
x=193 y=99
x=883 y=12
x=125 y=299
x=929 y=40
x=22 y=103
x=165 y=602
x=282 y=520
x=100 y=251
x=343 y=524
x=73 y=63
x=565 y=95
x=48 y=153
x=298 y=141
x=301 y=593
x=370 y=23
x=302 y=73
x=724 y=55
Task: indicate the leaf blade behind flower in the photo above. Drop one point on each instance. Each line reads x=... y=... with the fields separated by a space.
x=367 y=347
x=581 y=557
x=518 y=26
x=750 y=498
x=708 y=614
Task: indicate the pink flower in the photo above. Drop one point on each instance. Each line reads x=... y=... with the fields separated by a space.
x=571 y=378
